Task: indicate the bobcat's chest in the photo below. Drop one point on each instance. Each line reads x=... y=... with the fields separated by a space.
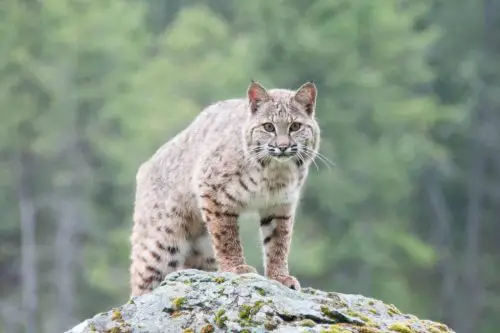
x=275 y=186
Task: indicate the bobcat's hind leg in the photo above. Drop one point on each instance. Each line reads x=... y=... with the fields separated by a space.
x=201 y=255
x=156 y=252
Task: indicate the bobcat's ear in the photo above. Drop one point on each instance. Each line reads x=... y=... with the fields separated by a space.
x=257 y=94
x=306 y=97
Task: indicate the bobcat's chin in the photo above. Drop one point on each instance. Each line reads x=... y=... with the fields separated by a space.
x=283 y=158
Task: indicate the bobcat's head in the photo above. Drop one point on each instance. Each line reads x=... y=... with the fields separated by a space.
x=282 y=125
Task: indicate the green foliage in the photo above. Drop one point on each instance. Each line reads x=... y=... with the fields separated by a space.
x=90 y=89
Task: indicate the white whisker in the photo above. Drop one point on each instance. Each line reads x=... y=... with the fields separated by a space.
x=299 y=153
x=316 y=155
x=320 y=155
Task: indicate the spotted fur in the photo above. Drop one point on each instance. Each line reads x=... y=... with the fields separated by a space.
x=247 y=154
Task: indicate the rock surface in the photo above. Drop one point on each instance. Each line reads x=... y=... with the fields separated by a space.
x=193 y=301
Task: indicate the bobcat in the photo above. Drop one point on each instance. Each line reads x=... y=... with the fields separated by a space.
x=248 y=154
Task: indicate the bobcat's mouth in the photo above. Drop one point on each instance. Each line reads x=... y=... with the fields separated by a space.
x=280 y=155
x=282 y=152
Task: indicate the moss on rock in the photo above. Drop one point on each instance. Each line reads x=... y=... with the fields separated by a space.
x=220 y=318
x=334 y=329
x=400 y=328
x=178 y=302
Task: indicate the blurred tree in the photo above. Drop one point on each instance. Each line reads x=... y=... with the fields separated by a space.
x=465 y=60
x=406 y=211
x=57 y=77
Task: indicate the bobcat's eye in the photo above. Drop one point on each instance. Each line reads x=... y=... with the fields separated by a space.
x=294 y=127
x=269 y=127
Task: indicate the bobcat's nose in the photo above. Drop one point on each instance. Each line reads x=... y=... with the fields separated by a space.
x=283 y=147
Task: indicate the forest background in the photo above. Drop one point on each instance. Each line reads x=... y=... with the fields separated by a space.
x=408 y=105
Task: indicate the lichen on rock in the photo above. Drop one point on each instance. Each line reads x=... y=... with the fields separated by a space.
x=197 y=301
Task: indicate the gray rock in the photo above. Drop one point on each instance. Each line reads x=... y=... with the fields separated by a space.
x=203 y=302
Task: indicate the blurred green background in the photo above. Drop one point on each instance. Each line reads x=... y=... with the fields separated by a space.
x=408 y=104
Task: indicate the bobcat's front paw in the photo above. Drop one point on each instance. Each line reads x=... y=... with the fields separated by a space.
x=288 y=281
x=242 y=269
